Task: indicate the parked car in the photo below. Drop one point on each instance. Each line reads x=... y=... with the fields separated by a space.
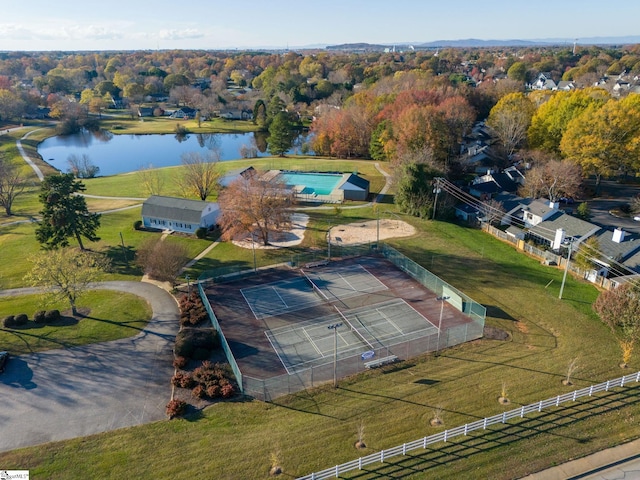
x=637 y=218
x=4 y=358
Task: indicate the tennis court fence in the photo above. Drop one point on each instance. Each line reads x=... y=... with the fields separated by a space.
x=404 y=349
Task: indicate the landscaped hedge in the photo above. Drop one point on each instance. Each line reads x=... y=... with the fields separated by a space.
x=39 y=316
x=52 y=316
x=192 y=310
x=21 y=319
x=190 y=339
x=8 y=321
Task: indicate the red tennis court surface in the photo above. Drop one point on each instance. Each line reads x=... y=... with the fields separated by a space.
x=254 y=353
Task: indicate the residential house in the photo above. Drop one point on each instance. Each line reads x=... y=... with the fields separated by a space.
x=566 y=85
x=178 y=214
x=145 y=111
x=235 y=114
x=184 y=113
x=544 y=82
x=490 y=184
x=559 y=229
x=621 y=254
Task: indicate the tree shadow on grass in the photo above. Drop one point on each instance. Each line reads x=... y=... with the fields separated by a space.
x=548 y=424
x=123 y=260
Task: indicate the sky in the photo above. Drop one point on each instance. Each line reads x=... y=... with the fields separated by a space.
x=213 y=24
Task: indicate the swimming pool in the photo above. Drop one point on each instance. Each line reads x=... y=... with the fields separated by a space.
x=314 y=183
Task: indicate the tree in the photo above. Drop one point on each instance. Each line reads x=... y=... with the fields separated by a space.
x=605 y=140
x=82 y=167
x=552 y=179
x=66 y=273
x=260 y=114
x=414 y=194
x=12 y=184
x=280 y=138
x=161 y=259
x=492 y=210
x=200 y=173
x=510 y=120
x=11 y=105
x=65 y=213
x=619 y=309
x=587 y=254
x=151 y=180
x=518 y=72
x=583 y=211
x=254 y=205
x=552 y=117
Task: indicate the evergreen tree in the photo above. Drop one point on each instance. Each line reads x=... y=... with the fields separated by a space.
x=415 y=189
x=260 y=114
x=280 y=137
x=65 y=213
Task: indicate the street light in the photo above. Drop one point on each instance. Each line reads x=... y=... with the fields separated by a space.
x=334 y=327
x=441 y=299
x=253 y=248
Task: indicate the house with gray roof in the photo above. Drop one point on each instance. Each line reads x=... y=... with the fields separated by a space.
x=354 y=187
x=178 y=214
x=560 y=229
x=620 y=253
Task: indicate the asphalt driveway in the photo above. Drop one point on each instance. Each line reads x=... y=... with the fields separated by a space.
x=61 y=394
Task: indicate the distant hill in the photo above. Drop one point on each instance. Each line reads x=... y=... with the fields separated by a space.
x=477 y=43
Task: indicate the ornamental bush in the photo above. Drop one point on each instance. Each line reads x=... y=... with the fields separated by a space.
x=8 y=321
x=39 y=316
x=52 y=316
x=21 y=319
x=176 y=408
x=201 y=233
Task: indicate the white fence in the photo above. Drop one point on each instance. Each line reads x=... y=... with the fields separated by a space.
x=380 y=457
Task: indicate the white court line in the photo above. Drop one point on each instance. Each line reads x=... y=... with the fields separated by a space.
x=421 y=316
x=382 y=314
x=250 y=307
x=312 y=342
x=278 y=354
x=281 y=299
x=375 y=278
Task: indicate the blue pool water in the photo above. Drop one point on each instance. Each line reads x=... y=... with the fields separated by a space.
x=318 y=183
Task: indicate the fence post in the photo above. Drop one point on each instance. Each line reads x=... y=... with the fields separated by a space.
x=574 y=395
x=590 y=390
x=466 y=426
x=522 y=412
x=622 y=382
x=381 y=456
x=404 y=449
x=424 y=442
x=557 y=400
x=337 y=471
x=504 y=417
x=484 y=424
x=606 y=388
x=540 y=406
x=360 y=463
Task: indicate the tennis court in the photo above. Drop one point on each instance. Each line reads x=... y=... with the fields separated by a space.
x=314 y=287
x=362 y=329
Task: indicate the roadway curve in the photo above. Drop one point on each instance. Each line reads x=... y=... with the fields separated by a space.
x=74 y=392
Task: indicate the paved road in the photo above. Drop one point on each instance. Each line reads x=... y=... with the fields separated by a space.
x=612 y=195
x=68 y=393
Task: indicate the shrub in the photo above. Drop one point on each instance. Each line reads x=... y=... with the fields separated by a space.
x=189 y=339
x=182 y=380
x=201 y=353
x=21 y=319
x=214 y=391
x=52 y=316
x=137 y=225
x=198 y=391
x=176 y=408
x=201 y=233
x=8 y=321
x=38 y=317
x=227 y=390
x=180 y=362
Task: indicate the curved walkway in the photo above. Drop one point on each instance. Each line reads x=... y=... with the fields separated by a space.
x=27 y=158
x=67 y=393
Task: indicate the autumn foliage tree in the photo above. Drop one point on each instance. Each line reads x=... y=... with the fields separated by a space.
x=510 y=120
x=255 y=205
x=605 y=140
x=619 y=309
x=552 y=179
x=12 y=183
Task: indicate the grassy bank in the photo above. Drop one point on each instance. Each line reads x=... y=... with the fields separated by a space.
x=316 y=429
x=110 y=316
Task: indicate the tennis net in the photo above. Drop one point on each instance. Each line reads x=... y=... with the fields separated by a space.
x=354 y=329
x=314 y=286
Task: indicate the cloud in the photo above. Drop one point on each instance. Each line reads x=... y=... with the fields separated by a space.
x=183 y=34
x=62 y=32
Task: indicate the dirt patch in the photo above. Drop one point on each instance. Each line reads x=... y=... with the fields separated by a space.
x=522 y=327
x=493 y=333
x=370 y=231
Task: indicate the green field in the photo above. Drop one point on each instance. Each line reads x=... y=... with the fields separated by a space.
x=111 y=315
x=315 y=429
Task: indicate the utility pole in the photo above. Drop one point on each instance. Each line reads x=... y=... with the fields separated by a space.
x=334 y=327
x=566 y=269
x=436 y=190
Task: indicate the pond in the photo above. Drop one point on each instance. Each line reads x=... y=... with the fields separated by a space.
x=115 y=154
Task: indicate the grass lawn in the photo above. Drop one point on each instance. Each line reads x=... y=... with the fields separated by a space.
x=316 y=429
x=151 y=125
x=112 y=315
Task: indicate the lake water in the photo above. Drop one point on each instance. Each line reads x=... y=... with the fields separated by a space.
x=126 y=153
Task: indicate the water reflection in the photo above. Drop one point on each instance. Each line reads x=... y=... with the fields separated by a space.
x=115 y=154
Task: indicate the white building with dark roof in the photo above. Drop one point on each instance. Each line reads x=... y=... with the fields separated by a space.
x=178 y=214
